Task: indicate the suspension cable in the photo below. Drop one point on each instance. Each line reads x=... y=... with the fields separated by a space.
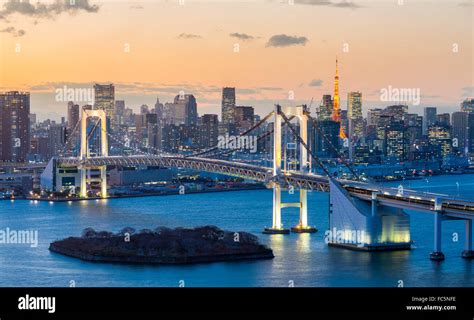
x=313 y=156
x=240 y=135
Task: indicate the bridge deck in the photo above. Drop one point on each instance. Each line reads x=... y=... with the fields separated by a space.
x=409 y=199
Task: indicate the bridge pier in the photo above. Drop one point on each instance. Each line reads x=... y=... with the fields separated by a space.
x=468 y=253
x=277 y=227
x=437 y=254
x=83 y=191
x=85 y=153
x=103 y=181
x=302 y=226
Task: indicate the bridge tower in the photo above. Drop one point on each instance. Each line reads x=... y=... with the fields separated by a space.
x=85 y=151
x=300 y=113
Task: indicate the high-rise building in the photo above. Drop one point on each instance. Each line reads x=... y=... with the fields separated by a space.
x=354 y=115
x=439 y=135
x=328 y=146
x=182 y=111
x=208 y=130
x=104 y=98
x=443 y=119
x=32 y=119
x=14 y=126
x=144 y=109
x=57 y=138
x=429 y=118
x=119 y=112
x=396 y=141
x=244 y=117
x=470 y=132
x=459 y=125
x=159 y=109
x=396 y=112
x=467 y=105
x=228 y=105
x=72 y=115
x=325 y=109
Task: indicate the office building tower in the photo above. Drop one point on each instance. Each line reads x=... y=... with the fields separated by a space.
x=327 y=147
x=459 y=128
x=443 y=119
x=440 y=135
x=14 y=126
x=429 y=118
x=228 y=105
x=208 y=130
x=244 y=118
x=104 y=98
x=396 y=141
x=354 y=115
x=467 y=105
x=72 y=115
x=325 y=109
x=182 y=111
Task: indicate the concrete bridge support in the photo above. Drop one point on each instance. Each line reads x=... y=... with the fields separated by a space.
x=437 y=254
x=365 y=225
x=468 y=253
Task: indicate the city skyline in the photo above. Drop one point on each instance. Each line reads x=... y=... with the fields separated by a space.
x=165 y=56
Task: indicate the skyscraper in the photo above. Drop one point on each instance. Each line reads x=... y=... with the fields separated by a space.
x=325 y=109
x=467 y=105
x=443 y=119
x=396 y=141
x=440 y=136
x=327 y=146
x=104 y=95
x=72 y=115
x=429 y=118
x=244 y=117
x=208 y=130
x=459 y=124
x=336 y=111
x=119 y=111
x=228 y=105
x=354 y=114
x=14 y=126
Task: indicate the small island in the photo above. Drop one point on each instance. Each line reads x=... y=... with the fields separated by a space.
x=163 y=246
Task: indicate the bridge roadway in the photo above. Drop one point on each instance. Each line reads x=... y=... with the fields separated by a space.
x=408 y=199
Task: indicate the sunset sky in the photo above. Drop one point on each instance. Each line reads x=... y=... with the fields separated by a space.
x=283 y=48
